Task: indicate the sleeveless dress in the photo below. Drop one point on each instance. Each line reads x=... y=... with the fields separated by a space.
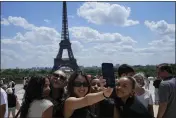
x=81 y=113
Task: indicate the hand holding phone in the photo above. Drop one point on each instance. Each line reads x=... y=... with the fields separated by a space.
x=108 y=74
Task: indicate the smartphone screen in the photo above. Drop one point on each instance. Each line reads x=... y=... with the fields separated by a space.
x=108 y=74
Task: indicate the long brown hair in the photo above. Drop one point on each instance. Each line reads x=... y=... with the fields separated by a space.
x=71 y=81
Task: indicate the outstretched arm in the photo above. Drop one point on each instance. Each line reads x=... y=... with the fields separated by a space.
x=74 y=103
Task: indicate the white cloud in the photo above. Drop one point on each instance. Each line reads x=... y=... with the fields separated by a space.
x=4 y=21
x=19 y=21
x=89 y=35
x=102 y=13
x=161 y=27
x=47 y=21
x=164 y=41
x=166 y=36
x=38 y=46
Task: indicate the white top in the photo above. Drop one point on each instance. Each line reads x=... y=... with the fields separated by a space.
x=4 y=101
x=146 y=98
x=147 y=83
x=37 y=107
x=24 y=82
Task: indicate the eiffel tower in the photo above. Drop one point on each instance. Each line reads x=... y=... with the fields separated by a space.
x=65 y=44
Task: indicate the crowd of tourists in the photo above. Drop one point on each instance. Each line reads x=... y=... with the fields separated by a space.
x=9 y=99
x=83 y=96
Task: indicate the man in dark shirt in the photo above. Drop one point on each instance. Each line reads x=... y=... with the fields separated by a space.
x=156 y=83
x=167 y=92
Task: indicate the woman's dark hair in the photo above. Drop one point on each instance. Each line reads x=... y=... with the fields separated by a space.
x=71 y=81
x=93 y=79
x=34 y=91
x=124 y=68
x=61 y=92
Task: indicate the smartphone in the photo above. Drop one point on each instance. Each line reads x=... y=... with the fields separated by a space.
x=108 y=74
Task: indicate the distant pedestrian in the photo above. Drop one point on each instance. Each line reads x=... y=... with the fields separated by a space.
x=156 y=84
x=12 y=100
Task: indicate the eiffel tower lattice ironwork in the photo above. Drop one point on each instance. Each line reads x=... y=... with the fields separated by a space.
x=65 y=44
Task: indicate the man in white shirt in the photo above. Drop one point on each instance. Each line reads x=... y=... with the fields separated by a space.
x=3 y=104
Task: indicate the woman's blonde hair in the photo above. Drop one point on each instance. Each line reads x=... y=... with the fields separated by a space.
x=140 y=75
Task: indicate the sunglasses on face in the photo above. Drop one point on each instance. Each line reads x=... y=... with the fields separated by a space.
x=93 y=84
x=79 y=84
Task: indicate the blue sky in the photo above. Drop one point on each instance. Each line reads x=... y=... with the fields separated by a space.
x=149 y=24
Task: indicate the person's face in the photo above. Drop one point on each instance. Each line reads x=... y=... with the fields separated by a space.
x=46 y=88
x=140 y=81
x=162 y=74
x=80 y=86
x=58 y=81
x=124 y=88
x=95 y=85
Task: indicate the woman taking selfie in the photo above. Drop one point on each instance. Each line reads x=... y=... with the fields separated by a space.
x=79 y=96
x=126 y=103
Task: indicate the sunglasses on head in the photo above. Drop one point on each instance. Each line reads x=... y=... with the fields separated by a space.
x=79 y=84
x=59 y=76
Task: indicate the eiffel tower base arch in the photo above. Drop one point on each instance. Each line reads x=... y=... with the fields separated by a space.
x=58 y=63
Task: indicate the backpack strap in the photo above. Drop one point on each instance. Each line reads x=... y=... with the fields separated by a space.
x=16 y=116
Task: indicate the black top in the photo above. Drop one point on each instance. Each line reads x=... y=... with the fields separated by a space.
x=133 y=108
x=106 y=108
x=58 y=103
x=80 y=113
x=11 y=100
x=58 y=108
x=156 y=83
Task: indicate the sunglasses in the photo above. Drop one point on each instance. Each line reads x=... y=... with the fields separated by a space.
x=98 y=84
x=79 y=84
x=59 y=76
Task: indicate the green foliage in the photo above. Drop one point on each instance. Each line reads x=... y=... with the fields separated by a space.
x=18 y=74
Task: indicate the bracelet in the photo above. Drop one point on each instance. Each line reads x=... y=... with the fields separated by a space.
x=104 y=95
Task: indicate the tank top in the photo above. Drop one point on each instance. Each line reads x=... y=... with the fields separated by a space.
x=11 y=100
x=80 y=113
